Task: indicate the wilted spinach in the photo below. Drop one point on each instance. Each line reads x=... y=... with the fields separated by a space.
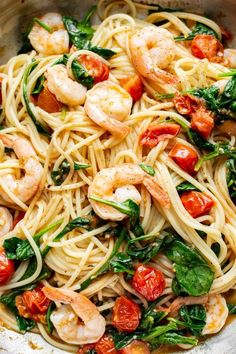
x=59 y=175
x=39 y=85
x=186 y=187
x=121 y=263
x=231 y=177
x=195 y=318
x=199 y=28
x=148 y=169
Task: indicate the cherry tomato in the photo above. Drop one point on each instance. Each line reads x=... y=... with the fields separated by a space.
x=197 y=203
x=95 y=67
x=207 y=46
x=18 y=218
x=156 y=133
x=35 y=300
x=203 y=122
x=105 y=346
x=186 y=104
x=7 y=267
x=87 y=348
x=136 y=347
x=126 y=314
x=48 y=101
x=185 y=157
x=148 y=282
x=133 y=85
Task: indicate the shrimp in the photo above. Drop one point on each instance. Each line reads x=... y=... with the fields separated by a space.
x=63 y=87
x=216 y=314
x=108 y=104
x=121 y=179
x=152 y=50
x=6 y=221
x=65 y=319
x=44 y=42
x=173 y=309
x=25 y=187
x=230 y=57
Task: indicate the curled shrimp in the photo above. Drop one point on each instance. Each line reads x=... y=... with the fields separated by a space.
x=44 y=42
x=230 y=57
x=65 y=318
x=152 y=50
x=25 y=187
x=63 y=87
x=6 y=221
x=216 y=314
x=117 y=184
x=108 y=104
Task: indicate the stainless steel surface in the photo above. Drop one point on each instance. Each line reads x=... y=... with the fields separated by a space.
x=14 y=14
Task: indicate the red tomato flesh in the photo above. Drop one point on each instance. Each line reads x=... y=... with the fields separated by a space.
x=207 y=46
x=7 y=267
x=86 y=349
x=126 y=314
x=105 y=346
x=136 y=347
x=197 y=203
x=156 y=133
x=186 y=104
x=203 y=122
x=48 y=101
x=185 y=157
x=95 y=67
x=133 y=85
x=148 y=282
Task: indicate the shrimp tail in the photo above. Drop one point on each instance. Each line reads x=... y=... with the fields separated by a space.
x=157 y=192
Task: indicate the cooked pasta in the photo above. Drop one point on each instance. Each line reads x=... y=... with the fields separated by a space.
x=88 y=135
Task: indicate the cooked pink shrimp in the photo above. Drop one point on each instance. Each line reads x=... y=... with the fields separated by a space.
x=117 y=184
x=216 y=314
x=230 y=57
x=65 y=89
x=6 y=221
x=152 y=50
x=108 y=104
x=48 y=43
x=66 y=319
x=25 y=187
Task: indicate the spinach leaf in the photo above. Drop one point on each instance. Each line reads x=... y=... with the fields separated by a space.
x=130 y=208
x=150 y=317
x=50 y=310
x=148 y=169
x=221 y=149
x=157 y=331
x=173 y=338
x=122 y=263
x=39 y=85
x=122 y=235
x=59 y=175
x=121 y=340
x=44 y=274
x=26 y=45
x=199 y=28
x=81 y=34
x=73 y=224
x=200 y=142
x=193 y=274
x=231 y=177
x=195 y=318
x=186 y=187
x=21 y=250
x=177 y=289
x=232 y=309
x=24 y=324
x=39 y=126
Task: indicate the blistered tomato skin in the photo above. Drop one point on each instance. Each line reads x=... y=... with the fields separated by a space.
x=148 y=282
x=156 y=133
x=185 y=157
x=7 y=267
x=105 y=345
x=126 y=314
x=95 y=67
x=197 y=203
x=133 y=85
x=207 y=46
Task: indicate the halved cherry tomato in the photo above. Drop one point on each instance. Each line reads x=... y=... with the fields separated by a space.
x=156 y=133
x=105 y=346
x=133 y=85
x=197 y=203
x=87 y=348
x=148 y=282
x=185 y=157
x=48 y=101
x=7 y=267
x=95 y=67
x=136 y=347
x=18 y=218
x=33 y=304
x=186 y=104
x=207 y=46
x=126 y=314
x=203 y=122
